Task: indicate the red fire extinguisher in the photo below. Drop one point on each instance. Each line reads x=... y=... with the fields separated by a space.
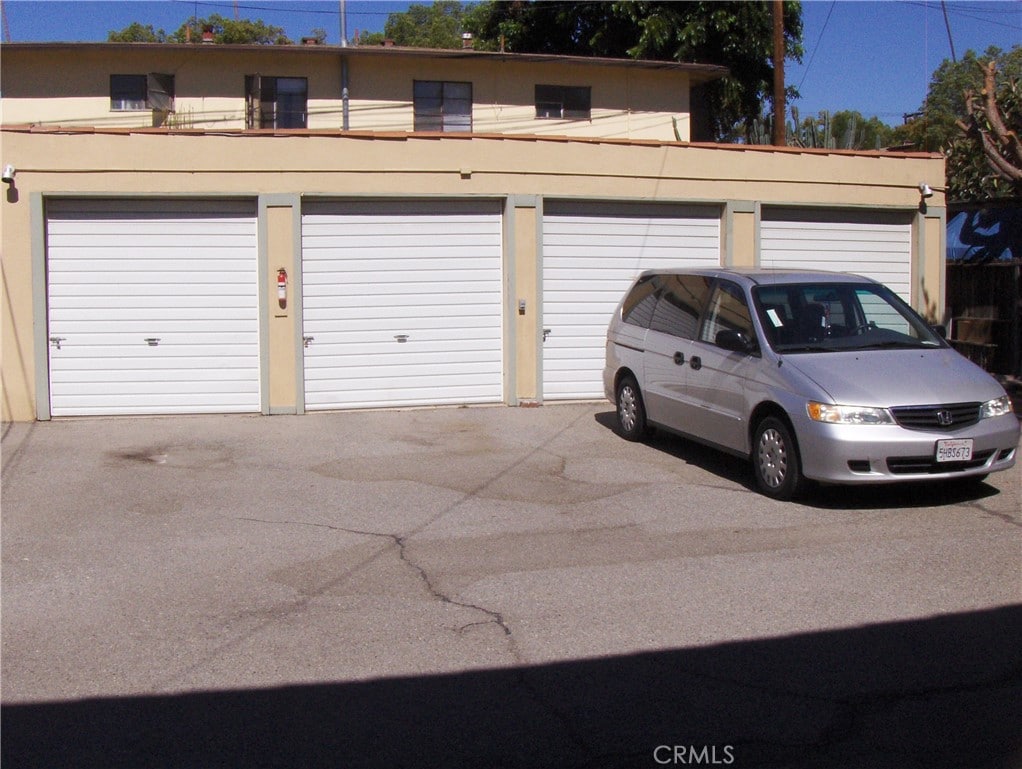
x=282 y=288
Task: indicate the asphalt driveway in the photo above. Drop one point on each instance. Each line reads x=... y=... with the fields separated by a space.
x=489 y=587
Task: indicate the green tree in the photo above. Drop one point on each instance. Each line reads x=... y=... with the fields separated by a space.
x=438 y=25
x=230 y=31
x=732 y=33
x=137 y=33
x=225 y=31
x=935 y=128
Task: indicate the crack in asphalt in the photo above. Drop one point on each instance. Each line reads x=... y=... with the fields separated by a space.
x=399 y=541
x=495 y=616
x=401 y=544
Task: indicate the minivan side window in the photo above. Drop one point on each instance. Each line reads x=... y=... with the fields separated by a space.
x=638 y=305
x=728 y=311
x=681 y=300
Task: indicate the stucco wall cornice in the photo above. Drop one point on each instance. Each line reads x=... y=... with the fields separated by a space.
x=459 y=137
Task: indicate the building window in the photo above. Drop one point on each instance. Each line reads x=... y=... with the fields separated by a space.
x=441 y=106
x=140 y=92
x=276 y=102
x=563 y=102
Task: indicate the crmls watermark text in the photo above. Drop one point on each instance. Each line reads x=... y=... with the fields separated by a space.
x=694 y=755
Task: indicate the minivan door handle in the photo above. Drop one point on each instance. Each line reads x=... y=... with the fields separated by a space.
x=679 y=358
x=696 y=362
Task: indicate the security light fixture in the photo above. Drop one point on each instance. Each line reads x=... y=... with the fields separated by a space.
x=925 y=190
x=9 y=172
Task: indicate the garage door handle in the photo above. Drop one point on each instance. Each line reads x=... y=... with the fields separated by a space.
x=306 y=341
x=56 y=340
x=679 y=358
x=152 y=341
x=546 y=333
x=401 y=338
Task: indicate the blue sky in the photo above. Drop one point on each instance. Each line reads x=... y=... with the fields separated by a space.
x=873 y=57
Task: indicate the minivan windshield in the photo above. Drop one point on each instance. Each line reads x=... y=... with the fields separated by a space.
x=831 y=317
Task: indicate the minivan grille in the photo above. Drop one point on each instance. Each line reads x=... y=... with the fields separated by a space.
x=949 y=416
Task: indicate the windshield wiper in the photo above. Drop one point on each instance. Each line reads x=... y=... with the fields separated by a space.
x=804 y=348
x=890 y=344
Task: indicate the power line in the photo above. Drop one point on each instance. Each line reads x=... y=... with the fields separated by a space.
x=981 y=12
x=275 y=9
x=816 y=47
x=947 y=25
x=7 y=29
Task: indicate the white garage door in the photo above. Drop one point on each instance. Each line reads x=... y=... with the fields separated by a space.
x=402 y=303
x=153 y=307
x=875 y=244
x=591 y=254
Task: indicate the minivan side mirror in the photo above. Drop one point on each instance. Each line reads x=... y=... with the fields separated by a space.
x=940 y=330
x=735 y=341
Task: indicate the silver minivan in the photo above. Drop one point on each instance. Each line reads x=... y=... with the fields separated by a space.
x=811 y=375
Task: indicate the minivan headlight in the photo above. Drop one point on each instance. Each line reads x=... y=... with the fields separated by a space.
x=998 y=407
x=848 y=415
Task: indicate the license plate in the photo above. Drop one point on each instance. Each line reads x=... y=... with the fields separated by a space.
x=954 y=450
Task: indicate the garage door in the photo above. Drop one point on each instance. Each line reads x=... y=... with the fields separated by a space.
x=153 y=307
x=402 y=303
x=591 y=253
x=875 y=244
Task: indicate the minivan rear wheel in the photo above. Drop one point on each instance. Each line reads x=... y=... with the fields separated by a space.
x=775 y=460
x=631 y=413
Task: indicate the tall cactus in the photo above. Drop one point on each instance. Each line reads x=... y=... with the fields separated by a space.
x=844 y=131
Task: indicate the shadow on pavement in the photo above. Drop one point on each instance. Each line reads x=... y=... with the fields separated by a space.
x=928 y=693
x=886 y=495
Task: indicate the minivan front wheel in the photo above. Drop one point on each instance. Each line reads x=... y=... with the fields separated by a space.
x=631 y=413
x=775 y=460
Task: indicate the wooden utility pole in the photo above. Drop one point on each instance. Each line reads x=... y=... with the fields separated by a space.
x=779 y=101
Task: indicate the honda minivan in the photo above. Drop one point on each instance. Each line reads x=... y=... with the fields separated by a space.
x=817 y=376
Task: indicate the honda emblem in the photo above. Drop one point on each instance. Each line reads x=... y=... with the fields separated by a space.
x=945 y=418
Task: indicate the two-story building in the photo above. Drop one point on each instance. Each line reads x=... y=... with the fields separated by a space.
x=205 y=228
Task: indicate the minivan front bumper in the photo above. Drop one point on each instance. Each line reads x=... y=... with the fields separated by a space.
x=890 y=453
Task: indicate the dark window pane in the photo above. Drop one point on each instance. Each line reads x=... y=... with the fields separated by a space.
x=442 y=106
x=458 y=91
x=548 y=110
x=428 y=89
x=291 y=102
x=577 y=102
x=561 y=101
x=127 y=92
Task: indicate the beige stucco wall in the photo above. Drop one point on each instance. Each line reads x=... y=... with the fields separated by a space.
x=278 y=170
x=40 y=89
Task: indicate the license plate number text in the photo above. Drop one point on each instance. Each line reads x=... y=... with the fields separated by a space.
x=954 y=450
